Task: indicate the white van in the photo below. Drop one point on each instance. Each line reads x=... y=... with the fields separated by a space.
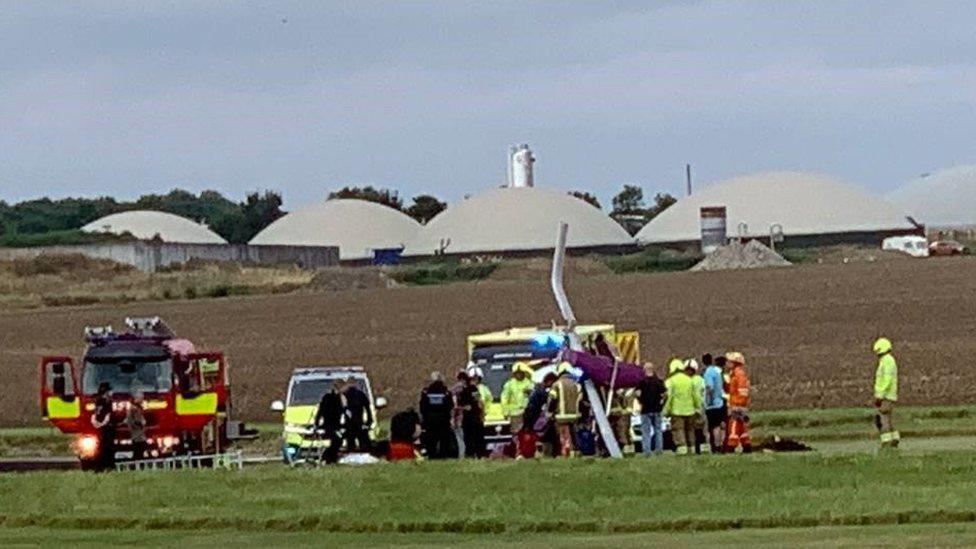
x=915 y=246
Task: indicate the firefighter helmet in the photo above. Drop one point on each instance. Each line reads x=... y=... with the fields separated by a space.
x=882 y=346
x=521 y=367
x=474 y=371
x=691 y=364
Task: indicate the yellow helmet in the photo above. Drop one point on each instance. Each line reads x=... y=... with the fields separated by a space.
x=676 y=365
x=563 y=367
x=521 y=367
x=882 y=346
x=736 y=357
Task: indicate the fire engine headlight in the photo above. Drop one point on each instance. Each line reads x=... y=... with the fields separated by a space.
x=87 y=446
x=167 y=442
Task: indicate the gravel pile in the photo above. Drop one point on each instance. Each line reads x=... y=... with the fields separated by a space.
x=753 y=255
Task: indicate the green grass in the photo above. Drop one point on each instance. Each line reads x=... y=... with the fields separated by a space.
x=441 y=272
x=651 y=260
x=929 y=535
x=544 y=496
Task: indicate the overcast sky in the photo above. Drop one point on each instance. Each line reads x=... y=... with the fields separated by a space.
x=126 y=98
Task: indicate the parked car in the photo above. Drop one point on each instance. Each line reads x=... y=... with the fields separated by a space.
x=946 y=247
x=915 y=246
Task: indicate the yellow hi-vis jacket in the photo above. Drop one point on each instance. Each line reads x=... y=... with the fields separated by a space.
x=567 y=395
x=684 y=397
x=886 y=378
x=485 y=393
x=515 y=396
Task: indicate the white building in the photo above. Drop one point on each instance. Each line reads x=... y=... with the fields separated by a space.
x=357 y=227
x=943 y=199
x=147 y=225
x=810 y=209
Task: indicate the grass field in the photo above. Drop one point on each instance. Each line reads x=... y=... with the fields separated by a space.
x=845 y=493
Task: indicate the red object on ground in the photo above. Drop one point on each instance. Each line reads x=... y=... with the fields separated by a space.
x=400 y=450
x=526 y=441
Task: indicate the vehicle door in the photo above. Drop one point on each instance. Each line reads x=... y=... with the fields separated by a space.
x=59 y=397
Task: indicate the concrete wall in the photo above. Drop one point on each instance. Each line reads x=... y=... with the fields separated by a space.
x=150 y=256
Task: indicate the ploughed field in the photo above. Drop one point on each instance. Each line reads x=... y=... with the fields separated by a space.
x=806 y=330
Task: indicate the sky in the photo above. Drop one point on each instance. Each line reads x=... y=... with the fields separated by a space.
x=126 y=98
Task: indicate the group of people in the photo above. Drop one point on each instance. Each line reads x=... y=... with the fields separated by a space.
x=707 y=404
x=106 y=426
x=344 y=414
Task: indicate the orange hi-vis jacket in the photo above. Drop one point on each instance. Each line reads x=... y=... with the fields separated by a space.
x=739 y=388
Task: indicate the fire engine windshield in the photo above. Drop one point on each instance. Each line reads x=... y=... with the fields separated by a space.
x=308 y=392
x=128 y=376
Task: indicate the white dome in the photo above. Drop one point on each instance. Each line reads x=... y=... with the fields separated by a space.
x=146 y=224
x=357 y=227
x=803 y=203
x=516 y=219
x=946 y=197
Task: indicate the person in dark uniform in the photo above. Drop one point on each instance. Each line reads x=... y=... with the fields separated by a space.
x=359 y=417
x=472 y=419
x=102 y=421
x=436 y=410
x=328 y=418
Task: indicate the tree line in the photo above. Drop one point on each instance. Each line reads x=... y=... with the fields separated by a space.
x=238 y=222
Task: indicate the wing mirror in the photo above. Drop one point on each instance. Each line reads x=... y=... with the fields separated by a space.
x=277 y=406
x=381 y=402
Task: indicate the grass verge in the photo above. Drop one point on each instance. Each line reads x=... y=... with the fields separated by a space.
x=441 y=272
x=651 y=260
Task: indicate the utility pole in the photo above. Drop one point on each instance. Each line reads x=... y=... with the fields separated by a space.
x=688 y=177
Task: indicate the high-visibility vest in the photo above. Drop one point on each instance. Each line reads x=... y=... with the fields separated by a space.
x=739 y=388
x=886 y=378
x=515 y=396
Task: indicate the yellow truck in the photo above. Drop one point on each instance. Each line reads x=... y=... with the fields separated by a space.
x=496 y=352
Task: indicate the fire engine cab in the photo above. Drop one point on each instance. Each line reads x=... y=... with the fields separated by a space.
x=185 y=393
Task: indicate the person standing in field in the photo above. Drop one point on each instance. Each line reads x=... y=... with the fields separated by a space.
x=536 y=418
x=473 y=419
x=101 y=419
x=566 y=397
x=699 y=382
x=359 y=417
x=739 y=393
x=886 y=393
x=650 y=394
x=135 y=420
x=515 y=395
x=436 y=411
x=683 y=405
x=457 y=419
x=328 y=418
x=715 y=409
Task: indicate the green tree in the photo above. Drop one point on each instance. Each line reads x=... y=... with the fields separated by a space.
x=260 y=210
x=386 y=197
x=629 y=201
x=588 y=198
x=662 y=201
x=425 y=207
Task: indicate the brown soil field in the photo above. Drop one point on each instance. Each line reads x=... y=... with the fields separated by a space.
x=806 y=330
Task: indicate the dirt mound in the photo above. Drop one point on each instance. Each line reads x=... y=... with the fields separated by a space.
x=753 y=255
x=538 y=268
x=338 y=279
x=779 y=444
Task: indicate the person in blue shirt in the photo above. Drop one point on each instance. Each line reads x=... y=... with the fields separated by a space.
x=715 y=408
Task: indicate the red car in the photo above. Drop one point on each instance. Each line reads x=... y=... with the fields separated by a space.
x=946 y=247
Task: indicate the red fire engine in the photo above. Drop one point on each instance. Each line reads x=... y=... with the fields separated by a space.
x=185 y=393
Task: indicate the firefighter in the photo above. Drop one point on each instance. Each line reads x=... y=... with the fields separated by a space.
x=102 y=421
x=886 y=392
x=359 y=417
x=436 y=409
x=566 y=396
x=328 y=419
x=737 y=432
x=484 y=393
x=683 y=404
x=699 y=383
x=135 y=420
x=515 y=395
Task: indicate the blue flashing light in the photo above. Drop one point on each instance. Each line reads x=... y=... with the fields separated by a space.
x=547 y=340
